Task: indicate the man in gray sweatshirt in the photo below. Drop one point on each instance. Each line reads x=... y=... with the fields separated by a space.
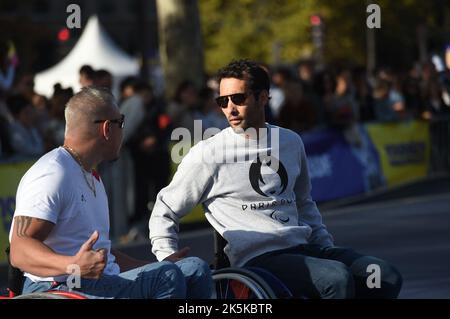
x=252 y=180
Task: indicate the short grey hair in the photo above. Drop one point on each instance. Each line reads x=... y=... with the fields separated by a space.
x=87 y=105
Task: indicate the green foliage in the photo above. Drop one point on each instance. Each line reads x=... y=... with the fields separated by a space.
x=251 y=28
x=254 y=28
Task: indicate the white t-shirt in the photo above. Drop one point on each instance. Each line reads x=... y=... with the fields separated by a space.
x=54 y=189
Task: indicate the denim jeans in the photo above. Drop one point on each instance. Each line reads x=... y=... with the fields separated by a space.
x=313 y=271
x=199 y=283
x=188 y=278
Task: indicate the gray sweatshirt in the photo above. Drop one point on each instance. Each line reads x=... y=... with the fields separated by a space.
x=255 y=193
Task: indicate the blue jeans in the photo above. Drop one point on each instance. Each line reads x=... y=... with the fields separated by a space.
x=199 y=283
x=329 y=272
x=188 y=278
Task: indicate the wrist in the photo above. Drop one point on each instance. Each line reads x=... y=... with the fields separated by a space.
x=70 y=263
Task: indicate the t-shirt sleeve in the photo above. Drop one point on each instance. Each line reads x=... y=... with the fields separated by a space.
x=41 y=196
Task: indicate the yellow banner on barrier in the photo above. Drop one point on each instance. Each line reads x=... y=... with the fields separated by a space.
x=10 y=175
x=404 y=149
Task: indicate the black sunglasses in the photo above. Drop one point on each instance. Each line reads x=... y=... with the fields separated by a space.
x=237 y=98
x=120 y=121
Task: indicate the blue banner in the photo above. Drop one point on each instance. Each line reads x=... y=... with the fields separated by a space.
x=336 y=170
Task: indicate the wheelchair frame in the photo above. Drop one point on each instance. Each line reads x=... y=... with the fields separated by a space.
x=15 y=286
x=243 y=283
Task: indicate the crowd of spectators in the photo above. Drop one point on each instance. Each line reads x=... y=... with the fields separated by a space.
x=303 y=98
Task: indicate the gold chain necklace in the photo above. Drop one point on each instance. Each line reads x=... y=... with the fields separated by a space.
x=78 y=160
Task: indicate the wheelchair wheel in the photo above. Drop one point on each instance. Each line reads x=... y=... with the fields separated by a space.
x=40 y=295
x=53 y=294
x=239 y=283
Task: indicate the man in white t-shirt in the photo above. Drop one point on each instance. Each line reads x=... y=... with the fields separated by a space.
x=61 y=221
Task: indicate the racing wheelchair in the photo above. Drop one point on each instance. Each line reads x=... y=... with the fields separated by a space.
x=243 y=283
x=229 y=282
x=15 y=285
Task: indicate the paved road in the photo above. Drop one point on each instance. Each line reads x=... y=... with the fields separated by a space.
x=413 y=234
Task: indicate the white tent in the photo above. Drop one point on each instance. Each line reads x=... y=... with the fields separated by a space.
x=94 y=48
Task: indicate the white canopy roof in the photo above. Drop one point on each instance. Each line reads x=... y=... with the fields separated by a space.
x=94 y=48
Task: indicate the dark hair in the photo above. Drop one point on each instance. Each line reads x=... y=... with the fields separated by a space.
x=102 y=73
x=206 y=93
x=183 y=86
x=255 y=76
x=88 y=71
x=284 y=71
x=128 y=81
x=142 y=85
x=103 y=78
x=16 y=103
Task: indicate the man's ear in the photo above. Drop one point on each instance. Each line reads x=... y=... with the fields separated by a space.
x=105 y=130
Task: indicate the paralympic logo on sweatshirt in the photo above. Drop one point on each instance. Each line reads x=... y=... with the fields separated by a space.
x=272 y=189
x=255 y=175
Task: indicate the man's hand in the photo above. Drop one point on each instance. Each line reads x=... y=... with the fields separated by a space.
x=176 y=256
x=126 y=262
x=91 y=262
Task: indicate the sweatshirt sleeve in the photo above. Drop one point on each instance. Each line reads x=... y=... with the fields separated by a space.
x=307 y=208
x=190 y=185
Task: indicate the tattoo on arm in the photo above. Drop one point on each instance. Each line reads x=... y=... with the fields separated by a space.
x=23 y=223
